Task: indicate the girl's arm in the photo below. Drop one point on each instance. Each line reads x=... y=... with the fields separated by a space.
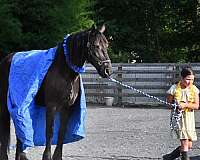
x=191 y=105
x=170 y=98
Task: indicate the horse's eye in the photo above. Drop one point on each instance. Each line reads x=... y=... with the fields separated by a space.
x=97 y=46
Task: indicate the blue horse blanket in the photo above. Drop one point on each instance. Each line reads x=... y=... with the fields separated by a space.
x=27 y=72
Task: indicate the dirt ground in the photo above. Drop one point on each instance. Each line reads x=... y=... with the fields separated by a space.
x=122 y=134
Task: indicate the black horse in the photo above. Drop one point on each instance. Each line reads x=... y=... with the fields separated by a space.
x=59 y=89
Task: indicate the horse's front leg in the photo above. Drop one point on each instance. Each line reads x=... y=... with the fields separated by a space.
x=20 y=155
x=64 y=116
x=50 y=114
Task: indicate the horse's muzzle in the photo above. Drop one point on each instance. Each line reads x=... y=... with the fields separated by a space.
x=104 y=68
x=108 y=72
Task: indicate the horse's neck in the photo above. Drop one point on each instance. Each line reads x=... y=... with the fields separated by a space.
x=63 y=67
x=77 y=48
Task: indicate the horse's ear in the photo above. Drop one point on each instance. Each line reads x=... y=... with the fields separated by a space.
x=93 y=28
x=102 y=28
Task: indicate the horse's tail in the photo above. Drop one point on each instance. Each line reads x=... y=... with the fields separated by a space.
x=4 y=113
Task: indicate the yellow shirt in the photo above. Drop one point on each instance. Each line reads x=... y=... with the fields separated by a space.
x=183 y=95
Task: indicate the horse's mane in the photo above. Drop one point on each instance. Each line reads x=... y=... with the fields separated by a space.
x=77 y=47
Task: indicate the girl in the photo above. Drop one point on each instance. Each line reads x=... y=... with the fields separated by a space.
x=187 y=96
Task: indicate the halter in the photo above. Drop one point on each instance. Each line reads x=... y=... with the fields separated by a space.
x=89 y=46
x=75 y=68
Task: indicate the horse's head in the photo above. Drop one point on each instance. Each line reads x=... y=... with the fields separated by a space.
x=97 y=51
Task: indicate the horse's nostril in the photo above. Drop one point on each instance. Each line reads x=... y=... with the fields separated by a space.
x=107 y=72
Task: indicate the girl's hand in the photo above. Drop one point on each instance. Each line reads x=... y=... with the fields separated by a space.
x=182 y=105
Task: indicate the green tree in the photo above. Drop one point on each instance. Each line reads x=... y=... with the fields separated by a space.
x=180 y=34
x=39 y=24
x=10 y=29
x=155 y=29
x=133 y=26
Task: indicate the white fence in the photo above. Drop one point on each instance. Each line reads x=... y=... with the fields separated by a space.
x=151 y=78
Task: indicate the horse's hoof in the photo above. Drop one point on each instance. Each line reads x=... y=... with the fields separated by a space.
x=57 y=156
x=23 y=156
x=46 y=157
x=3 y=157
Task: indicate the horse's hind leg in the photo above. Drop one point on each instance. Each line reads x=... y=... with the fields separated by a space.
x=4 y=131
x=64 y=116
x=4 y=121
x=4 y=113
x=20 y=155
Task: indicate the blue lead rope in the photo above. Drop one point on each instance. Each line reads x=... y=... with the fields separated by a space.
x=175 y=113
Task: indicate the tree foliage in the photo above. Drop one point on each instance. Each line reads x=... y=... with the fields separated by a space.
x=10 y=28
x=141 y=30
x=154 y=30
x=39 y=24
x=180 y=34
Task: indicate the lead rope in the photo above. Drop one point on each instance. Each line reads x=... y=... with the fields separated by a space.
x=175 y=112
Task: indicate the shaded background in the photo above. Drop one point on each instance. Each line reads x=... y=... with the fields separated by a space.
x=139 y=30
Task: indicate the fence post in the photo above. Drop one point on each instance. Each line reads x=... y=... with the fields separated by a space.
x=176 y=73
x=119 y=77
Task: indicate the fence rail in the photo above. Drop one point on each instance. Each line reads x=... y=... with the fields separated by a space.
x=151 y=78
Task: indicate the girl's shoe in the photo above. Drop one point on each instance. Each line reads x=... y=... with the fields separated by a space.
x=173 y=155
x=184 y=156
